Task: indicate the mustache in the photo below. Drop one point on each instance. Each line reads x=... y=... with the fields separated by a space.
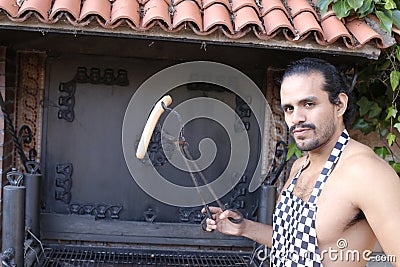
x=301 y=125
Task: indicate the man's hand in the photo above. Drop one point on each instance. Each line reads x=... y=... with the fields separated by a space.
x=221 y=222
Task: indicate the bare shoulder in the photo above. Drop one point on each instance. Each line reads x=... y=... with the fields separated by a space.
x=366 y=176
x=362 y=164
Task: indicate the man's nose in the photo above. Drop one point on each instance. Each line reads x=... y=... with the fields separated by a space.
x=298 y=116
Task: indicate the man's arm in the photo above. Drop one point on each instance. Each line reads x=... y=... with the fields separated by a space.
x=377 y=194
x=261 y=233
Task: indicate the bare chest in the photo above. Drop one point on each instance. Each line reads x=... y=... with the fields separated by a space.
x=335 y=212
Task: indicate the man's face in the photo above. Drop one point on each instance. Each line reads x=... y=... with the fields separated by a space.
x=308 y=113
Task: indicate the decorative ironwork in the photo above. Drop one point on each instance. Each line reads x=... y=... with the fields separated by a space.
x=273 y=98
x=99 y=211
x=238 y=194
x=150 y=215
x=63 y=182
x=10 y=127
x=155 y=150
x=244 y=112
x=66 y=101
x=29 y=104
x=25 y=137
x=190 y=215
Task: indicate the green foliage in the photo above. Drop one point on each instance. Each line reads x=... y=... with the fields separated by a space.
x=293 y=150
x=386 y=10
x=378 y=92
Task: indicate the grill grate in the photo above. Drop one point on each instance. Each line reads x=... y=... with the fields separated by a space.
x=84 y=257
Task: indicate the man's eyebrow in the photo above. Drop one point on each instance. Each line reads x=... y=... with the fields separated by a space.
x=308 y=99
x=301 y=101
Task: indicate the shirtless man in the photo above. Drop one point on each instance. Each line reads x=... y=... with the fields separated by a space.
x=359 y=203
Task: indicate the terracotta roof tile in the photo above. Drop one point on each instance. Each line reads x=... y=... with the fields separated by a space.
x=363 y=33
x=71 y=7
x=156 y=11
x=125 y=9
x=198 y=2
x=38 y=7
x=334 y=29
x=276 y=20
x=207 y=3
x=305 y=23
x=188 y=11
x=217 y=15
x=247 y=16
x=100 y=8
x=329 y=13
x=268 y=5
x=238 y=4
x=298 y=6
x=294 y=20
x=9 y=6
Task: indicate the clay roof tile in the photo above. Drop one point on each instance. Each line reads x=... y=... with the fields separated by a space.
x=217 y=15
x=72 y=7
x=9 y=6
x=100 y=8
x=125 y=9
x=247 y=16
x=187 y=11
x=295 y=19
x=38 y=7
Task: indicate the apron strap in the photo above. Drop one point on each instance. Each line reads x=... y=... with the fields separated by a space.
x=293 y=183
x=329 y=166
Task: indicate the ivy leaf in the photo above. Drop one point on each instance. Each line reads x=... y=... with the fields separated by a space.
x=398 y=53
x=391 y=138
x=396 y=20
x=298 y=153
x=355 y=4
x=392 y=112
x=396 y=166
x=385 y=65
x=375 y=111
x=381 y=151
x=390 y=4
x=366 y=8
x=291 y=151
x=323 y=5
x=365 y=105
x=394 y=79
x=362 y=125
x=341 y=8
x=384 y=132
x=397 y=126
x=386 y=20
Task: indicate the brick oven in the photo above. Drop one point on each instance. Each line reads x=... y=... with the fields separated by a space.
x=67 y=77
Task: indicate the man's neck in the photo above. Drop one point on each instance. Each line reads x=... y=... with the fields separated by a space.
x=319 y=155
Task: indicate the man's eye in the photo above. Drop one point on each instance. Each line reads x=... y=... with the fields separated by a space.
x=288 y=109
x=309 y=104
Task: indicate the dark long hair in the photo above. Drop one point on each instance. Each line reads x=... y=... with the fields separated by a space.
x=334 y=82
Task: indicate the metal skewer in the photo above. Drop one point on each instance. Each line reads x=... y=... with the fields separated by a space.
x=155 y=114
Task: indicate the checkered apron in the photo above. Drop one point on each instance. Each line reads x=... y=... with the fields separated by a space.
x=294 y=239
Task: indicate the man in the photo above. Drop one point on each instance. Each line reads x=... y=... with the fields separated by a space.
x=340 y=198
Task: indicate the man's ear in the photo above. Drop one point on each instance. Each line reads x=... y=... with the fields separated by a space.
x=341 y=105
